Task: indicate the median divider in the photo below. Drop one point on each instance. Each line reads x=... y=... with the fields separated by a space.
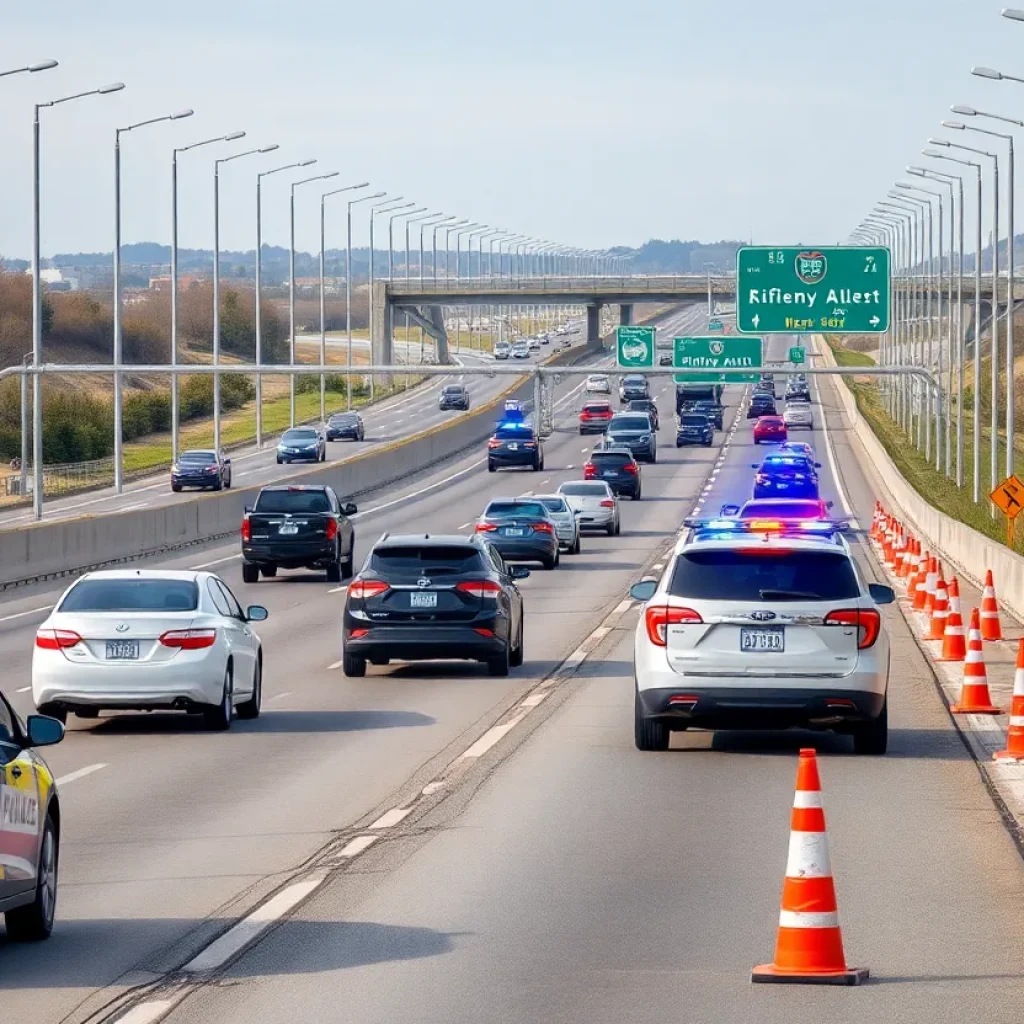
x=43 y=551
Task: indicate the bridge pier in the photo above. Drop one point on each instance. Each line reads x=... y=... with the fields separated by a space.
x=594 y=325
x=382 y=349
x=435 y=314
x=626 y=314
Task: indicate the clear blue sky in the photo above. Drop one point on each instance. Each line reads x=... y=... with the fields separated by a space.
x=590 y=124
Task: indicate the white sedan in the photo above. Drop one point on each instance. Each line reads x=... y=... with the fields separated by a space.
x=798 y=414
x=149 y=639
x=598 y=384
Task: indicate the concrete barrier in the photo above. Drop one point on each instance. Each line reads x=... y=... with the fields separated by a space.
x=967 y=550
x=49 y=550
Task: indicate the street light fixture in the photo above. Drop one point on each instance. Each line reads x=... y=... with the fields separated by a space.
x=259 y=287
x=37 y=297
x=43 y=65
x=118 y=332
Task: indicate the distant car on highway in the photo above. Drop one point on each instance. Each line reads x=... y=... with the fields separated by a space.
x=786 y=475
x=761 y=404
x=545 y=339
x=633 y=385
x=520 y=350
x=149 y=639
x=598 y=384
x=302 y=444
x=665 y=359
x=502 y=349
x=453 y=396
x=521 y=530
x=695 y=428
x=298 y=527
x=533 y=344
x=421 y=598
x=634 y=431
x=29 y=825
x=709 y=407
x=595 y=416
x=798 y=415
x=514 y=444
x=564 y=517
x=346 y=426
x=781 y=510
x=645 y=405
x=203 y=468
x=770 y=428
x=594 y=503
x=616 y=467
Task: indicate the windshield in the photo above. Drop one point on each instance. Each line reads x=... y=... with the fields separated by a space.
x=292 y=501
x=291 y=436
x=200 y=458
x=345 y=417
x=554 y=504
x=583 y=490
x=613 y=457
x=756 y=576
x=630 y=423
x=132 y=595
x=513 y=433
x=453 y=389
x=513 y=509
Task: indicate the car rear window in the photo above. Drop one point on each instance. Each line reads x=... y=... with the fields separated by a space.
x=132 y=595
x=202 y=458
x=583 y=490
x=771 y=575
x=694 y=421
x=776 y=464
x=292 y=501
x=436 y=559
x=509 y=509
x=514 y=433
x=554 y=504
x=597 y=407
x=613 y=458
x=631 y=423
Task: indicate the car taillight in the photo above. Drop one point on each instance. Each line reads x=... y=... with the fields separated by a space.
x=332 y=529
x=632 y=467
x=589 y=471
x=485 y=528
x=587 y=415
x=867 y=621
x=189 y=639
x=494 y=443
x=607 y=503
x=760 y=478
x=246 y=529
x=479 y=588
x=56 y=639
x=543 y=528
x=529 y=444
x=659 y=617
x=362 y=589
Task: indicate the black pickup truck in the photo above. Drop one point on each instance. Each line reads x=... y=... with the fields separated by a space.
x=293 y=527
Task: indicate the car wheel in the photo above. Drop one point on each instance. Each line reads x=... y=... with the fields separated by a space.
x=618 y=527
x=648 y=733
x=353 y=666
x=227 y=483
x=499 y=664
x=251 y=708
x=334 y=571
x=87 y=712
x=654 y=456
x=217 y=717
x=637 y=495
x=872 y=738
x=515 y=658
x=176 y=488
x=610 y=529
x=53 y=711
x=219 y=485
x=549 y=563
x=34 y=921
x=348 y=566
x=270 y=571
x=250 y=572
x=679 y=444
x=279 y=461
x=491 y=467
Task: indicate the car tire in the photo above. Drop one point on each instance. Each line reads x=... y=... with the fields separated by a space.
x=87 y=712
x=250 y=572
x=217 y=717
x=270 y=571
x=250 y=708
x=648 y=733
x=34 y=921
x=499 y=664
x=679 y=444
x=352 y=666
x=618 y=527
x=610 y=529
x=549 y=563
x=53 y=711
x=872 y=738
x=334 y=571
x=279 y=461
x=515 y=658
x=176 y=488
x=637 y=496
x=491 y=468
x=348 y=565
x=654 y=456
x=219 y=485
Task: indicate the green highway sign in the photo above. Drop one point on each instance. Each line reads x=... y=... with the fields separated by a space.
x=834 y=289
x=797 y=354
x=634 y=347
x=728 y=354
x=715 y=326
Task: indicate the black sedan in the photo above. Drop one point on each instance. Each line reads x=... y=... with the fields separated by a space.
x=514 y=444
x=618 y=469
x=635 y=431
x=203 y=468
x=646 y=405
x=453 y=396
x=521 y=530
x=761 y=404
x=434 y=597
x=715 y=411
x=695 y=428
x=346 y=426
x=302 y=444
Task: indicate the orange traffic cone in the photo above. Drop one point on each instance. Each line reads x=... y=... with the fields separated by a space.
x=915 y=585
x=940 y=612
x=931 y=585
x=954 y=643
x=909 y=559
x=990 y=627
x=876 y=520
x=890 y=540
x=809 y=944
x=899 y=554
x=1015 y=734
x=974 y=696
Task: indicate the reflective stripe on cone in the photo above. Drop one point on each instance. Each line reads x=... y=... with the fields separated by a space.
x=1015 y=733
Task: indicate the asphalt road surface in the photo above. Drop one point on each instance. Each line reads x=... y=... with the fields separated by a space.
x=543 y=872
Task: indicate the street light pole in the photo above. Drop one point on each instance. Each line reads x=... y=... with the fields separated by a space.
x=37 y=295
x=391 y=268
x=348 y=288
x=118 y=334
x=386 y=206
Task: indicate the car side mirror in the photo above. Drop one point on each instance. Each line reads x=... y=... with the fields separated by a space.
x=43 y=731
x=817 y=465
x=829 y=504
x=227 y=462
x=644 y=590
x=349 y=508
x=729 y=510
x=519 y=572
x=256 y=613
x=881 y=594
x=248 y=509
x=754 y=465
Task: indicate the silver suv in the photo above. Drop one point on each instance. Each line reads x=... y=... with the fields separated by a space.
x=761 y=629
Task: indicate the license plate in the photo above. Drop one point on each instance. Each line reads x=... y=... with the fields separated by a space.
x=418 y=600
x=513 y=447
x=122 y=650
x=288 y=528
x=514 y=531
x=772 y=638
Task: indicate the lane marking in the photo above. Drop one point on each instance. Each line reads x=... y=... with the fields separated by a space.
x=391 y=818
x=281 y=696
x=80 y=774
x=148 y=1012
x=235 y=939
x=218 y=561
x=23 y=689
x=337 y=664
x=356 y=846
x=20 y=615
x=489 y=738
x=828 y=443
x=533 y=700
x=337 y=590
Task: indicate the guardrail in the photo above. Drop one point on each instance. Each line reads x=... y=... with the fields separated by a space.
x=684 y=283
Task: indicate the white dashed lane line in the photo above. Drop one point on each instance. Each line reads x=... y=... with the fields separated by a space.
x=80 y=774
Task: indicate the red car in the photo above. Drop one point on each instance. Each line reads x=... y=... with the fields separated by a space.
x=595 y=417
x=769 y=428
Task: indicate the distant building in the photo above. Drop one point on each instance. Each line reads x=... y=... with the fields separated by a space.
x=162 y=283
x=57 y=281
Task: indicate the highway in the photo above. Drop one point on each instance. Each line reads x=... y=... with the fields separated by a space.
x=527 y=863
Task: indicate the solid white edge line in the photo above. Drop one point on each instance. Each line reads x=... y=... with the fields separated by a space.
x=80 y=774
x=828 y=438
x=20 y=615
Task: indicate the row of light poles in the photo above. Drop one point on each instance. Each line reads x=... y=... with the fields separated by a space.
x=905 y=220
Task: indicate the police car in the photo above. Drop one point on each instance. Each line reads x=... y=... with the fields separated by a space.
x=514 y=443
x=761 y=626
